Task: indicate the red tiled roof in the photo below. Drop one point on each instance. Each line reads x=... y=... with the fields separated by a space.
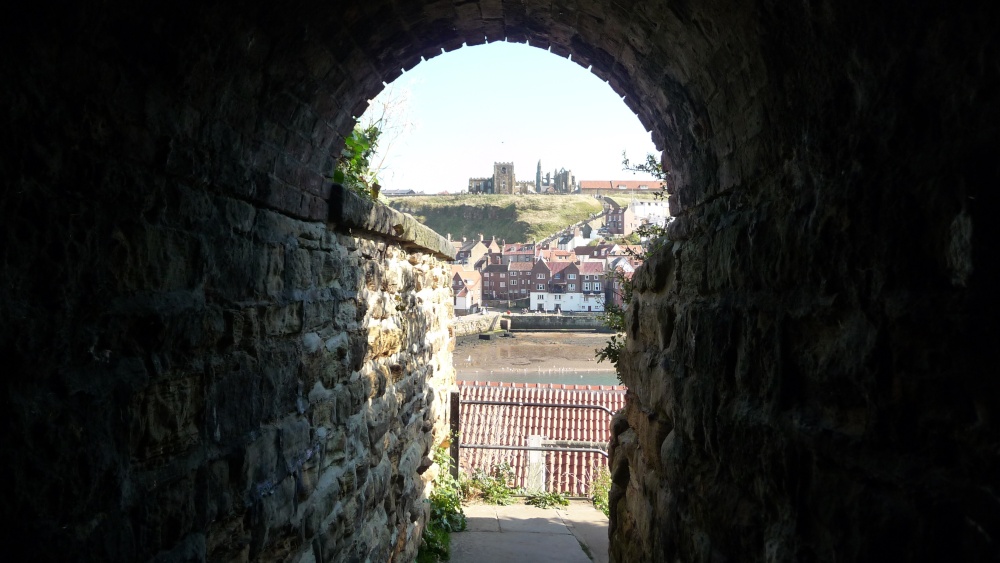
x=520 y=266
x=591 y=268
x=568 y=472
x=556 y=267
x=613 y=184
x=556 y=255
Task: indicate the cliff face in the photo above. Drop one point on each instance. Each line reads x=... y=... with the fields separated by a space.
x=512 y=218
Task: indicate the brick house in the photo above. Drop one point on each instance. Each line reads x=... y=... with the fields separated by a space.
x=470 y=252
x=618 y=268
x=593 y=278
x=518 y=252
x=466 y=285
x=599 y=252
x=548 y=284
x=620 y=219
x=519 y=279
x=495 y=283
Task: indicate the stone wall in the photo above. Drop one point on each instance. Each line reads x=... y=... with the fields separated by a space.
x=811 y=363
x=536 y=321
x=225 y=382
x=476 y=324
x=809 y=372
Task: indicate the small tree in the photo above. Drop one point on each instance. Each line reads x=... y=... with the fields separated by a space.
x=655 y=235
x=354 y=165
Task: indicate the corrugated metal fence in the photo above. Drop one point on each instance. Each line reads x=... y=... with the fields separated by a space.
x=585 y=431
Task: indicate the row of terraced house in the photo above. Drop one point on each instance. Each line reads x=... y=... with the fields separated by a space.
x=539 y=277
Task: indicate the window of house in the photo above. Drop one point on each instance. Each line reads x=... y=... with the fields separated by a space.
x=571 y=276
x=558 y=297
x=597 y=286
x=503 y=284
x=572 y=286
x=541 y=287
x=502 y=275
x=586 y=287
x=540 y=276
x=522 y=290
x=486 y=274
x=557 y=276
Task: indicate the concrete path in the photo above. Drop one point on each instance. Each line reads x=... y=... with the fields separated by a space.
x=526 y=534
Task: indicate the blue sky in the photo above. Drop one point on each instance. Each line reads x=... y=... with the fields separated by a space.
x=505 y=102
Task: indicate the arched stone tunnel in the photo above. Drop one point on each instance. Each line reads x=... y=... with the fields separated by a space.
x=812 y=361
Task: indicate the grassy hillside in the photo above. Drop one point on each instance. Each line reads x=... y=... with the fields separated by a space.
x=515 y=218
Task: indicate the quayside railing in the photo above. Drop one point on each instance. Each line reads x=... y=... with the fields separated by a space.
x=456 y=435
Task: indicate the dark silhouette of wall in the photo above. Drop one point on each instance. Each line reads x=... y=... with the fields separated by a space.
x=811 y=362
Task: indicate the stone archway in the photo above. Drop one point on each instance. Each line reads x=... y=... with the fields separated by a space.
x=809 y=363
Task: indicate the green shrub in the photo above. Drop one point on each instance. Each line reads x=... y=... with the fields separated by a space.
x=494 y=487
x=599 y=489
x=435 y=544
x=547 y=500
x=354 y=170
x=446 y=512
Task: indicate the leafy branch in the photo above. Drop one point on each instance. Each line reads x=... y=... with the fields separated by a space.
x=354 y=164
x=651 y=166
x=614 y=318
x=655 y=236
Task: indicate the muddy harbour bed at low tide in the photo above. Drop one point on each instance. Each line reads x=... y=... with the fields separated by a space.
x=535 y=357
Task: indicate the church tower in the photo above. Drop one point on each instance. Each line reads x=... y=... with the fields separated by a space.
x=503 y=177
x=538 y=177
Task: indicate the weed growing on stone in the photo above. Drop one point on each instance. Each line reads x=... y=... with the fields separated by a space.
x=446 y=513
x=354 y=170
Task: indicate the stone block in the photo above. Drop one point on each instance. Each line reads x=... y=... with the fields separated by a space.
x=283 y=320
x=384 y=340
x=166 y=418
x=298 y=269
x=239 y=215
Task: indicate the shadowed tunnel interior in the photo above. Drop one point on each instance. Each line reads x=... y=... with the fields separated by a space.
x=213 y=355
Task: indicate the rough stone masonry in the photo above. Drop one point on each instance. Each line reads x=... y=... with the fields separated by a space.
x=276 y=399
x=812 y=359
